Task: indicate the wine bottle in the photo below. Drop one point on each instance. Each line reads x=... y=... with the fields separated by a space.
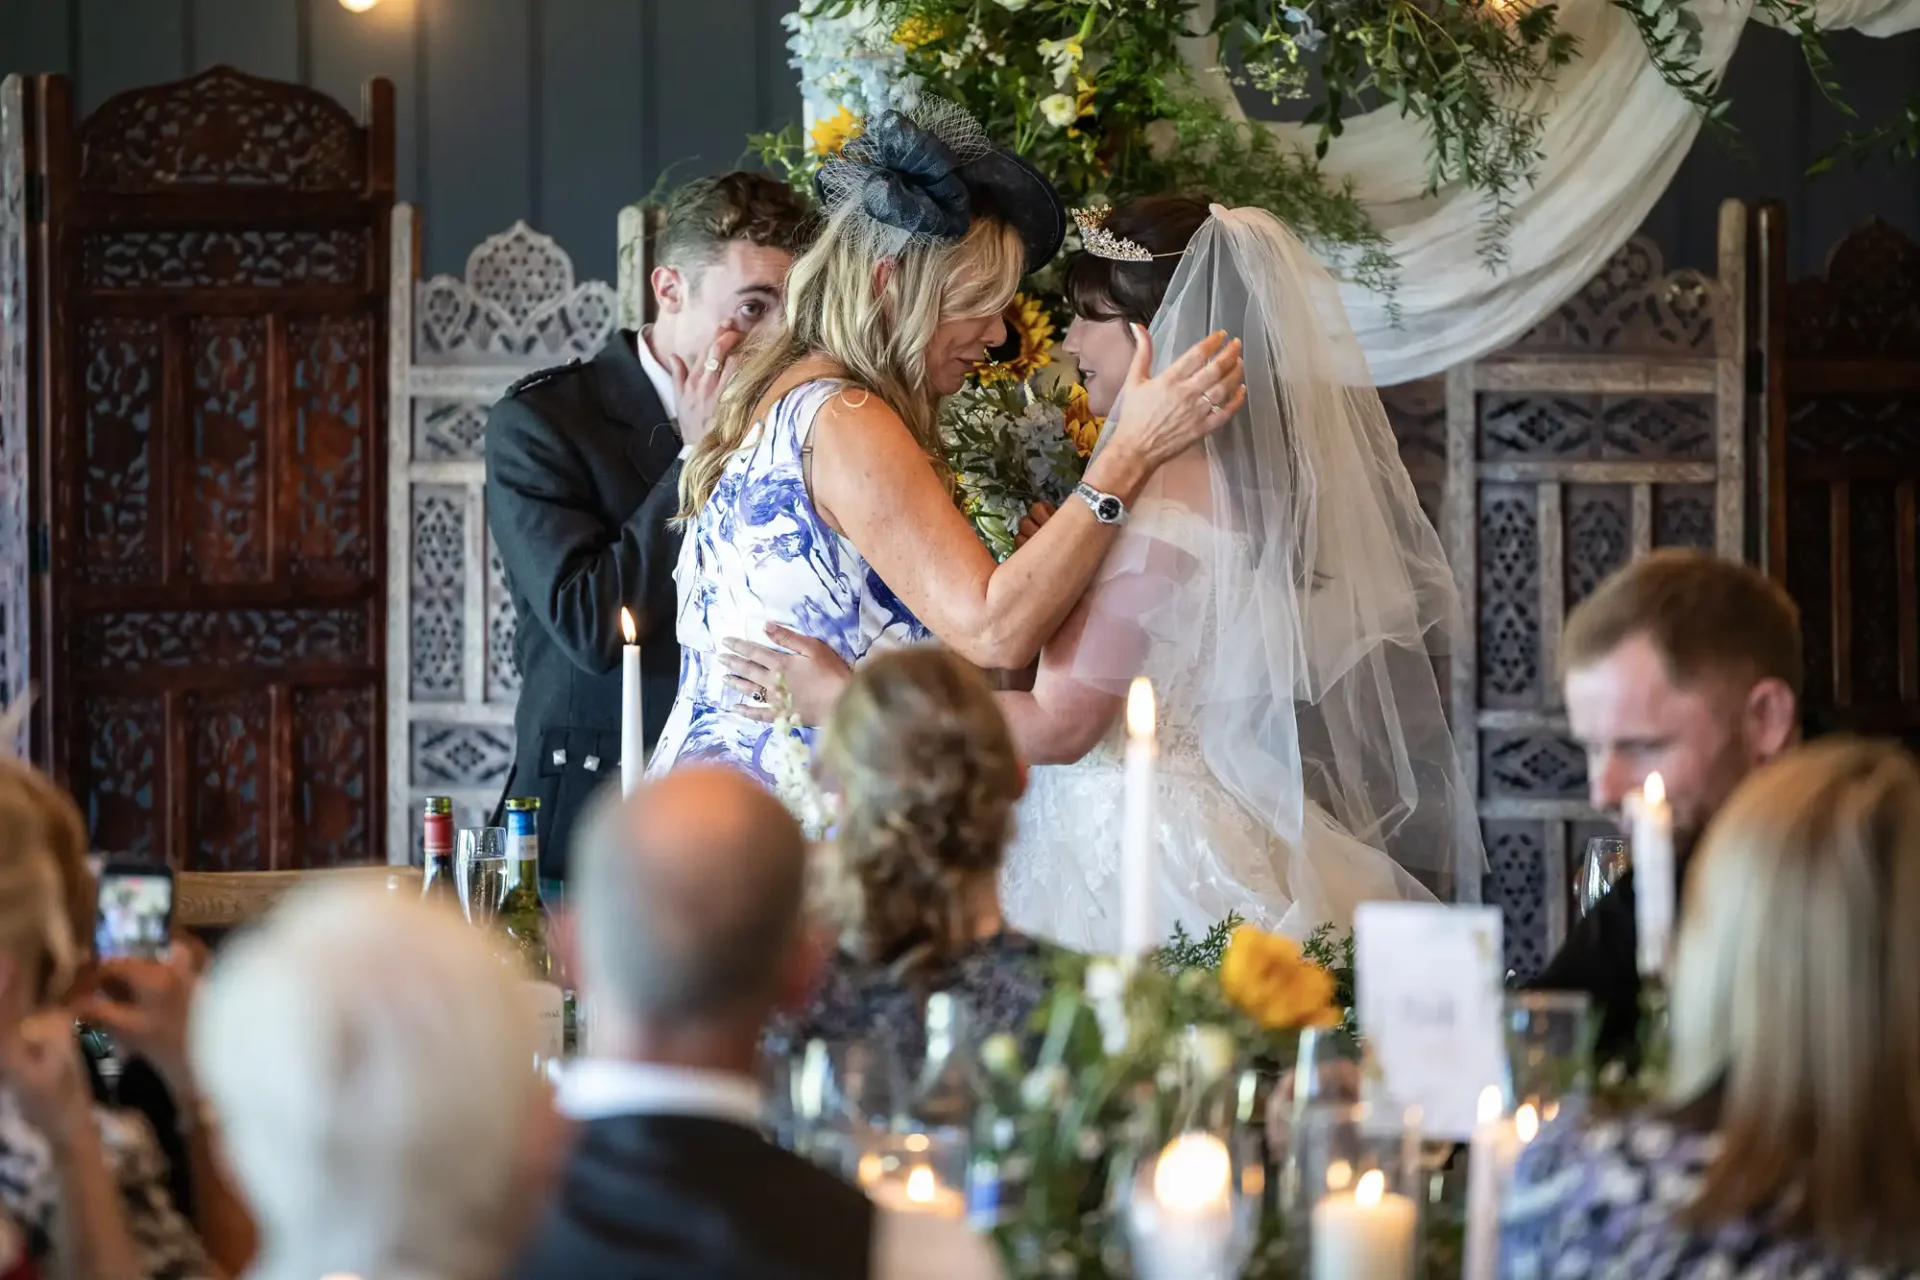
x=523 y=918
x=436 y=841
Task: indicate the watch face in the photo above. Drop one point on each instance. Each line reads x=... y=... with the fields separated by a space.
x=1109 y=509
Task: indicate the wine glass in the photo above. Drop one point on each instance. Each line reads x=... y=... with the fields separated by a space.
x=1549 y=1049
x=845 y=1095
x=480 y=872
x=1607 y=859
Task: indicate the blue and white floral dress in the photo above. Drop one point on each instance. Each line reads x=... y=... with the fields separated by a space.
x=759 y=553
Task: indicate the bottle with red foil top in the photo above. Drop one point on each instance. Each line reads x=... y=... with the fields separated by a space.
x=437 y=843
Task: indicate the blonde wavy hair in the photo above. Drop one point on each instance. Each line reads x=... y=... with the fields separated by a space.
x=1796 y=1000
x=878 y=337
x=46 y=889
x=927 y=776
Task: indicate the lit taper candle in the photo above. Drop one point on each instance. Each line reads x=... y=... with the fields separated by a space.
x=633 y=761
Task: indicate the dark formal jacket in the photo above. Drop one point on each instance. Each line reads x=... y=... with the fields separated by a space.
x=648 y=1197
x=1600 y=957
x=582 y=479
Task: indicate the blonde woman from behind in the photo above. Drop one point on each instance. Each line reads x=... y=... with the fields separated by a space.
x=926 y=778
x=1791 y=1143
x=371 y=1070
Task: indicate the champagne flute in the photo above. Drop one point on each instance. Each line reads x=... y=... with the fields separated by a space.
x=480 y=872
x=1608 y=858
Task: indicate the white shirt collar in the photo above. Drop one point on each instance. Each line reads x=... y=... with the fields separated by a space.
x=656 y=372
x=598 y=1088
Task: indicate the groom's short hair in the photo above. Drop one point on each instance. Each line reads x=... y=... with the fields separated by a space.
x=703 y=216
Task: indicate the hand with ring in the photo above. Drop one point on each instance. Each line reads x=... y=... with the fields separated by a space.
x=697 y=392
x=1163 y=415
x=811 y=673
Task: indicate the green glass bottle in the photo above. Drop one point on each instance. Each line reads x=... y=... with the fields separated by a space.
x=436 y=841
x=523 y=917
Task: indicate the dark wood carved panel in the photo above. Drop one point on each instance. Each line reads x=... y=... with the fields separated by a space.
x=217 y=521
x=1842 y=424
x=16 y=519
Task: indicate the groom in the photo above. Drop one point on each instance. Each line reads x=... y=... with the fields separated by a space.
x=583 y=473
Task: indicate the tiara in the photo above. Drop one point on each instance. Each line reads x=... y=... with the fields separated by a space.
x=1102 y=243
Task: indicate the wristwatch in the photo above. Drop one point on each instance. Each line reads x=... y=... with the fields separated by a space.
x=1107 y=509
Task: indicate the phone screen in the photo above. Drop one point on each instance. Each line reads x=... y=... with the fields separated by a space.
x=136 y=914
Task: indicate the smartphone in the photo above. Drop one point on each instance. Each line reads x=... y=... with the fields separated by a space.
x=135 y=919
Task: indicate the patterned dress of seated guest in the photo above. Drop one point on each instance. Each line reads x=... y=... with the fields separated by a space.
x=927 y=780
x=1790 y=1148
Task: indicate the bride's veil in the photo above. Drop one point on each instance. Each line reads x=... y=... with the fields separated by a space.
x=1284 y=577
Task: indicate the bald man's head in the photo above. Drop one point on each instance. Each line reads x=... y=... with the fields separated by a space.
x=689 y=897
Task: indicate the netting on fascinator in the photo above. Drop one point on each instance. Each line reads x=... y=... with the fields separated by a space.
x=903 y=176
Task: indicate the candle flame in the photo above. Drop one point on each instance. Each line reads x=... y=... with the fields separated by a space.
x=1491 y=1104
x=1193 y=1172
x=917 y=1142
x=1526 y=1123
x=1140 y=707
x=1373 y=1185
x=1339 y=1175
x=871 y=1169
x=1654 y=790
x=920 y=1185
x=626 y=624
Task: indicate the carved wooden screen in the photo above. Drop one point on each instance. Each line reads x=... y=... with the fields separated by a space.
x=216 y=368
x=638 y=223
x=16 y=523
x=1840 y=419
x=1613 y=427
x=457 y=345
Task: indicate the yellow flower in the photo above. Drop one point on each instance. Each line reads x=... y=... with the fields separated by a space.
x=1266 y=976
x=1081 y=426
x=1082 y=102
x=917 y=30
x=834 y=132
x=1029 y=320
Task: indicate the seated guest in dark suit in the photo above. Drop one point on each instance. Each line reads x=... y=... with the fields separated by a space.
x=927 y=778
x=1685 y=665
x=583 y=474
x=688 y=909
x=1787 y=1144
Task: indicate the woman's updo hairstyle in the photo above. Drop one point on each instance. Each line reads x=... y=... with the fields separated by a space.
x=1104 y=289
x=928 y=778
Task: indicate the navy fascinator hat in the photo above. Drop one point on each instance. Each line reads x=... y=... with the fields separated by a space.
x=922 y=176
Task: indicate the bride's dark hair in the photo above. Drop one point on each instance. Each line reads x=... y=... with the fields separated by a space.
x=1103 y=289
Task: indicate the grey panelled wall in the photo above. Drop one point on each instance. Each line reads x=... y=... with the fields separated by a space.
x=555 y=111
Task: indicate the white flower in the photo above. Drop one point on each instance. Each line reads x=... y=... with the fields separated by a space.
x=1013 y=6
x=1043 y=1087
x=1059 y=110
x=1106 y=990
x=1000 y=1054
x=1210 y=1049
x=1063 y=56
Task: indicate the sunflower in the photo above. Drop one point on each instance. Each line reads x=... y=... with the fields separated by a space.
x=833 y=132
x=918 y=29
x=1078 y=422
x=1029 y=321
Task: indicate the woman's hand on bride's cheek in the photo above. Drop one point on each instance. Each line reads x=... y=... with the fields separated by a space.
x=812 y=673
x=1162 y=416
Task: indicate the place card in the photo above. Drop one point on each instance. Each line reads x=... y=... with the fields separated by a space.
x=1429 y=998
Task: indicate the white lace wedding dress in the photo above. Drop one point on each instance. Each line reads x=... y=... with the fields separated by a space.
x=1060 y=879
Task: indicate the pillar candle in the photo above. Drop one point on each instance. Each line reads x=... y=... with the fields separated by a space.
x=1365 y=1235
x=1654 y=879
x=1137 y=936
x=633 y=761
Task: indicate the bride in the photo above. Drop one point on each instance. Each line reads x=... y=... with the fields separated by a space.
x=1281 y=588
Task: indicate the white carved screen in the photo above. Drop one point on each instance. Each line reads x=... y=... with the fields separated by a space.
x=15 y=522
x=456 y=347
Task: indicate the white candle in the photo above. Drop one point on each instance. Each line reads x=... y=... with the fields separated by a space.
x=1184 y=1229
x=921 y=1191
x=1365 y=1235
x=633 y=760
x=1654 y=879
x=1137 y=925
x=1495 y=1146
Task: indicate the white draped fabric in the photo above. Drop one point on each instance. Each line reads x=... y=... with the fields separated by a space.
x=1614 y=135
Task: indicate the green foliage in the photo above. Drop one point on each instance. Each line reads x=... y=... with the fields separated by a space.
x=1183 y=951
